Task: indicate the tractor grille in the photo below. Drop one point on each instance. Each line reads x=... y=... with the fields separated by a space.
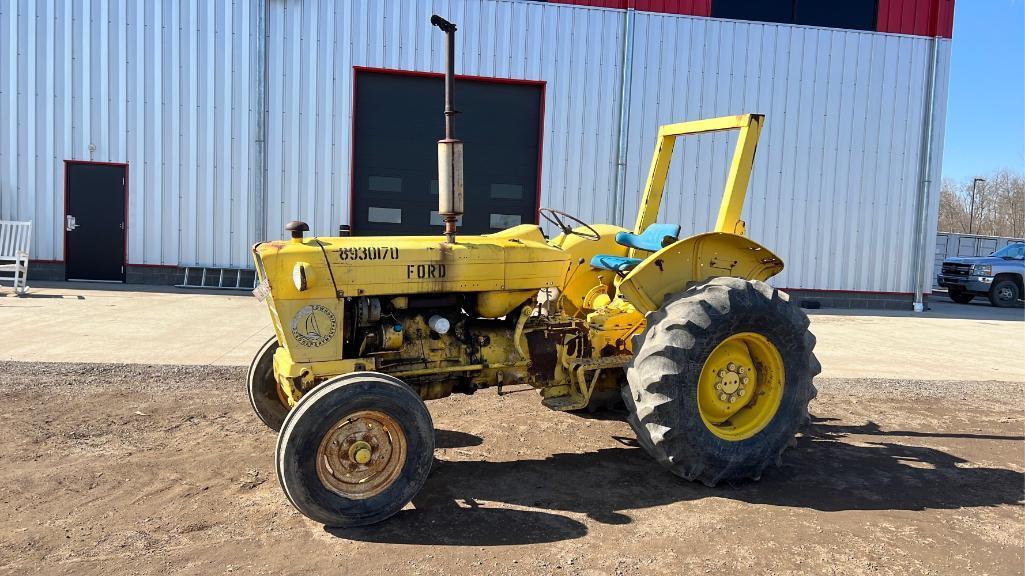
x=952 y=269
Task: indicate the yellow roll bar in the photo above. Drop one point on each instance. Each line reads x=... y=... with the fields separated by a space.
x=750 y=126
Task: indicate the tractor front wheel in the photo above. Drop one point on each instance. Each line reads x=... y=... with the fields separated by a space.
x=355 y=449
x=265 y=395
x=721 y=380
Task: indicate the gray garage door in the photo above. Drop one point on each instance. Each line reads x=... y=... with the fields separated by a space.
x=398 y=121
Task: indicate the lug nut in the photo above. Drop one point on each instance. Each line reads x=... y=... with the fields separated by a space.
x=731 y=367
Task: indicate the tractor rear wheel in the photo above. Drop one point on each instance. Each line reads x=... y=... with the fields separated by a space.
x=721 y=380
x=355 y=449
x=264 y=394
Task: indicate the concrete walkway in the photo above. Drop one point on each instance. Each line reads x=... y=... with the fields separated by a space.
x=64 y=322
x=949 y=342
x=75 y=322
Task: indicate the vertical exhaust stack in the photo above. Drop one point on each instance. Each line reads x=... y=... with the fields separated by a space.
x=450 y=150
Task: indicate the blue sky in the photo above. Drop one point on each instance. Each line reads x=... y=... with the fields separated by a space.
x=986 y=105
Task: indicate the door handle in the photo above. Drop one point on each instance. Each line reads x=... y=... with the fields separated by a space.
x=70 y=224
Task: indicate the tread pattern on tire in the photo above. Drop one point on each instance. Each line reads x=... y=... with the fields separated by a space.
x=662 y=393
x=300 y=499
x=266 y=406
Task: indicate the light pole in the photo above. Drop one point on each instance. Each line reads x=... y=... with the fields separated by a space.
x=971 y=211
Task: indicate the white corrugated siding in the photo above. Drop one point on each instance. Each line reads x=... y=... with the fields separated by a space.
x=313 y=47
x=836 y=174
x=165 y=87
x=833 y=190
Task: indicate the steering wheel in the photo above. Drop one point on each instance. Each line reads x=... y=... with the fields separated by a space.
x=559 y=218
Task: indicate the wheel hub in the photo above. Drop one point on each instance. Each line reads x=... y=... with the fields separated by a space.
x=732 y=381
x=741 y=386
x=361 y=455
x=360 y=452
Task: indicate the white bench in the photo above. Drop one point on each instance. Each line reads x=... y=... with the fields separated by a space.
x=14 y=244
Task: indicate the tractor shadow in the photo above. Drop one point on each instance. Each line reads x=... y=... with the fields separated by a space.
x=823 y=472
x=455 y=439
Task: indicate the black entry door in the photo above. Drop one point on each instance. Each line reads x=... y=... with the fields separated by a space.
x=398 y=122
x=95 y=222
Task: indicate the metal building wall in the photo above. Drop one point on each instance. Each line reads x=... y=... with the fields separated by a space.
x=837 y=170
x=170 y=89
x=836 y=176
x=165 y=87
x=314 y=45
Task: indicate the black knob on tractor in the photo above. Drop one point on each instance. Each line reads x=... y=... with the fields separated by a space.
x=297 y=227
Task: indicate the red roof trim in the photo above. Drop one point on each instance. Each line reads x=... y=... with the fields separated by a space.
x=917 y=17
x=687 y=7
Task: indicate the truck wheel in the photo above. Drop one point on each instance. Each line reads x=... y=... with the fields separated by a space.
x=960 y=296
x=721 y=380
x=1004 y=293
x=355 y=449
x=264 y=394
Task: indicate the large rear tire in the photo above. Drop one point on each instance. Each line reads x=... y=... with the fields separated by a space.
x=355 y=449
x=264 y=395
x=721 y=380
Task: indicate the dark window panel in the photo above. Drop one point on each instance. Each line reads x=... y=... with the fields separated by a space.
x=850 y=14
x=385 y=184
x=757 y=10
x=397 y=125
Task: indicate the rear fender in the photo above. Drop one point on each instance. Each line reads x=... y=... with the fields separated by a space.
x=691 y=260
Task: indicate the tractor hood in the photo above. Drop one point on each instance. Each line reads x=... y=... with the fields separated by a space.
x=515 y=259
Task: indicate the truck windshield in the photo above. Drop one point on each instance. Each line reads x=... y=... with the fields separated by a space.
x=1011 y=252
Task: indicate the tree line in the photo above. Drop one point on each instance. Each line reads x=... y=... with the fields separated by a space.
x=996 y=206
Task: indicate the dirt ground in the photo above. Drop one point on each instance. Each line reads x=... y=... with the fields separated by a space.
x=141 y=470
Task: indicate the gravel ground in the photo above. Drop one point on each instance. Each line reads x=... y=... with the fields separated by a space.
x=132 y=469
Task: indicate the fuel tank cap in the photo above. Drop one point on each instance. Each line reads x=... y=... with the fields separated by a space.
x=296 y=228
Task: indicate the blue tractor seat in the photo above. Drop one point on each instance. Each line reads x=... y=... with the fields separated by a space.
x=614 y=263
x=654 y=238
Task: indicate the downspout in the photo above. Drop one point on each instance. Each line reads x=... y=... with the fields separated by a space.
x=921 y=243
x=260 y=140
x=619 y=194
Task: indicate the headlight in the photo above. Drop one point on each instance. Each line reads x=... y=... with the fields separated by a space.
x=301 y=276
x=981 y=270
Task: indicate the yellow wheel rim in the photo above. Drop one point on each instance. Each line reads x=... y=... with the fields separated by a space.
x=741 y=386
x=361 y=455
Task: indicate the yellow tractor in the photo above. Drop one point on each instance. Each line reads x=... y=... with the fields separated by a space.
x=715 y=367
